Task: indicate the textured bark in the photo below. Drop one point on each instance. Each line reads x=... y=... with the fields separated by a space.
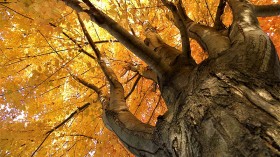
x=220 y=112
x=229 y=105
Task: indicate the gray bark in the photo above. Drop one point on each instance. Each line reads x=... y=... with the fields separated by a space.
x=229 y=105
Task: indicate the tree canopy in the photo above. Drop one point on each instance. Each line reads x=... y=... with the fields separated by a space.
x=51 y=79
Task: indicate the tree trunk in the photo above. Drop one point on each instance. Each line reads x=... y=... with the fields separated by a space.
x=220 y=112
x=226 y=106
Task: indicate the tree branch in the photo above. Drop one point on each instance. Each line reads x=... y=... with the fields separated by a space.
x=105 y=41
x=133 y=87
x=79 y=109
x=209 y=39
x=110 y=75
x=202 y=34
x=123 y=36
x=116 y=116
x=168 y=54
x=81 y=135
x=244 y=21
x=181 y=18
x=82 y=108
x=87 y=84
x=209 y=11
x=76 y=43
x=246 y=31
x=218 y=24
x=267 y=10
x=2 y=4
x=145 y=72
x=158 y=103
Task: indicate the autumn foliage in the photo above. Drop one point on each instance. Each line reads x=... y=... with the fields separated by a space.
x=44 y=109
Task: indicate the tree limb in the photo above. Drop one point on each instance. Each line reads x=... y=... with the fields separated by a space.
x=145 y=72
x=123 y=36
x=181 y=18
x=132 y=77
x=76 y=43
x=116 y=116
x=79 y=109
x=82 y=135
x=87 y=84
x=2 y=4
x=218 y=24
x=105 y=41
x=110 y=75
x=246 y=31
x=209 y=39
x=158 y=103
x=267 y=10
x=244 y=20
x=168 y=54
x=204 y=35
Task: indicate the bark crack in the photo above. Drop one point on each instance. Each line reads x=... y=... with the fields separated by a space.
x=255 y=99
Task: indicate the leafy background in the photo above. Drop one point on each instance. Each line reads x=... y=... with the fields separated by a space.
x=41 y=103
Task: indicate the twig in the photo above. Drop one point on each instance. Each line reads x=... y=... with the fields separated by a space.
x=87 y=84
x=158 y=103
x=207 y=6
x=139 y=104
x=81 y=135
x=36 y=86
x=82 y=108
x=16 y=12
x=133 y=87
x=50 y=45
x=218 y=24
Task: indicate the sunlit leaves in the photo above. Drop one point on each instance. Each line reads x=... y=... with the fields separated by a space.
x=37 y=61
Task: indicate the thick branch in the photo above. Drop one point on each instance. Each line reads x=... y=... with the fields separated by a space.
x=181 y=18
x=180 y=25
x=144 y=72
x=246 y=31
x=209 y=39
x=267 y=10
x=117 y=117
x=168 y=55
x=128 y=40
x=242 y=12
x=245 y=21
